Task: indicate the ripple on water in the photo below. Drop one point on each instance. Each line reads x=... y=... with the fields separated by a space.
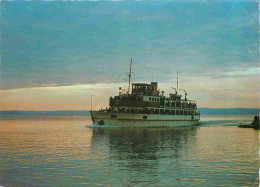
x=54 y=152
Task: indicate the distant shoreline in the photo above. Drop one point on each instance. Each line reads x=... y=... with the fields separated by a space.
x=203 y=111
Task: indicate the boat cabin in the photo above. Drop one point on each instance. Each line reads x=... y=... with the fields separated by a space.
x=145 y=89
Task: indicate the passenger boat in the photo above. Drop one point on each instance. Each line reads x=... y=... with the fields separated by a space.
x=146 y=106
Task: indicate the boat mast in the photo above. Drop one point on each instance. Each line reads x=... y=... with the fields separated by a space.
x=177 y=82
x=130 y=72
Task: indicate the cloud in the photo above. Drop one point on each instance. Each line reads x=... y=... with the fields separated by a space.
x=90 y=43
x=208 y=91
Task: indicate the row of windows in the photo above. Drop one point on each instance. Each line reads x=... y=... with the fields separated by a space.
x=173 y=112
x=158 y=111
x=154 y=99
x=141 y=87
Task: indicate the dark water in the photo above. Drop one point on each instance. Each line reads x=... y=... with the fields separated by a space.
x=61 y=151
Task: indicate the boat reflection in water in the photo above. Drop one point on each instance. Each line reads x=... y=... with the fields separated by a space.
x=145 y=154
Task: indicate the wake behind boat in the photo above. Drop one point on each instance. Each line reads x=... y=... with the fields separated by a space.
x=147 y=106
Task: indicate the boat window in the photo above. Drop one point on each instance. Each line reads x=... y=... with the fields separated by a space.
x=149 y=98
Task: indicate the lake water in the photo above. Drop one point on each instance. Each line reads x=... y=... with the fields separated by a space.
x=61 y=151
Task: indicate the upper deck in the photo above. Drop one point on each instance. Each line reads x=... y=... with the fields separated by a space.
x=148 y=96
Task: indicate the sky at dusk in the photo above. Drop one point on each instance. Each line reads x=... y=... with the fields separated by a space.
x=54 y=55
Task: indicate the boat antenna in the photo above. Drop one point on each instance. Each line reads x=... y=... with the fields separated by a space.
x=130 y=74
x=177 y=82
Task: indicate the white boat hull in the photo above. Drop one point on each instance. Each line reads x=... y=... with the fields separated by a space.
x=143 y=120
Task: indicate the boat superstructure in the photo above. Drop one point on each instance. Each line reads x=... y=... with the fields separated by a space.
x=146 y=106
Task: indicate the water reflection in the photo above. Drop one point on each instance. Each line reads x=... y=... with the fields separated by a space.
x=56 y=151
x=45 y=137
x=141 y=152
x=145 y=143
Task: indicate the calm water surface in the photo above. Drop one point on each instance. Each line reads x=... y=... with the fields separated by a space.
x=61 y=151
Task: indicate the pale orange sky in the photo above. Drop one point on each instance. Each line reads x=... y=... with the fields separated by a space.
x=209 y=92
